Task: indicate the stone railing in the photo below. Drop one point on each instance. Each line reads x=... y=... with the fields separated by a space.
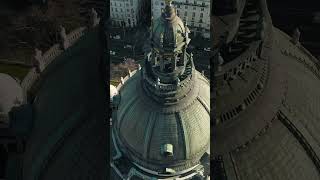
x=75 y=35
x=43 y=60
x=241 y=58
x=302 y=49
x=29 y=79
x=301 y=54
x=123 y=80
x=232 y=68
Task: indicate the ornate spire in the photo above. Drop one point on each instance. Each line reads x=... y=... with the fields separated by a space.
x=168 y=65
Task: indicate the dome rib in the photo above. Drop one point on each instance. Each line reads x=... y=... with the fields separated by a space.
x=164 y=118
x=148 y=134
x=183 y=134
x=185 y=139
x=158 y=125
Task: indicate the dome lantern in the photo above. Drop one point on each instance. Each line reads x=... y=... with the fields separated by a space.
x=168 y=59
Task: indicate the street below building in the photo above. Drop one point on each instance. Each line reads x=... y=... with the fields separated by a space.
x=129 y=43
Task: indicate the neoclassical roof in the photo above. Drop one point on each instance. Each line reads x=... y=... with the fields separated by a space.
x=267 y=120
x=143 y=126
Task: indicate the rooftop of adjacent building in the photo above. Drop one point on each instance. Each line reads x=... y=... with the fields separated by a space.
x=28 y=25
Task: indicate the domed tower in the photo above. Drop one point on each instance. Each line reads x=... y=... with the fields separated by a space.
x=161 y=125
x=267 y=98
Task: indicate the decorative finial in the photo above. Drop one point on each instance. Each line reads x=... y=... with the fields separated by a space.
x=63 y=33
x=38 y=60
x=178 y=82
x=296 y=36
x=94 y=18
x=129 y=72
x=64 y=38
x=122 y=80
x=38 y=55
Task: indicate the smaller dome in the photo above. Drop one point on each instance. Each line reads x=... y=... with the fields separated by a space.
x=169 y=33
x=11 y=93
x=113 y=91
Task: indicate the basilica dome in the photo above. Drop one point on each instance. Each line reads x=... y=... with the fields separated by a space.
x=162 y=118
x=169 y=31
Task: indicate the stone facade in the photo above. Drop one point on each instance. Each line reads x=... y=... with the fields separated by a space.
x=125 y=13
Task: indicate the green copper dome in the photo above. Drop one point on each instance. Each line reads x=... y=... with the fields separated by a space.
x=169 y=33
x=162 y=121
x=143 y=127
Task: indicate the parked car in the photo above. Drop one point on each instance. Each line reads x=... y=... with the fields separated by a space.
x=112 y=53
x=207 y=49
x=128 y=46
x=115 y=37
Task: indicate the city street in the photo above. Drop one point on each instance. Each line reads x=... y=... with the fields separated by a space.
x=201 y=58
x=130 y=44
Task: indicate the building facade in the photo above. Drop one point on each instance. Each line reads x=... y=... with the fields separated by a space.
x=125 y=13
x=195 y=13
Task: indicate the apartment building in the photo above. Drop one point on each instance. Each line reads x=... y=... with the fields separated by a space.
x=196 y=13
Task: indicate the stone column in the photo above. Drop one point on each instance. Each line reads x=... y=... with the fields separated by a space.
x=38 y=60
